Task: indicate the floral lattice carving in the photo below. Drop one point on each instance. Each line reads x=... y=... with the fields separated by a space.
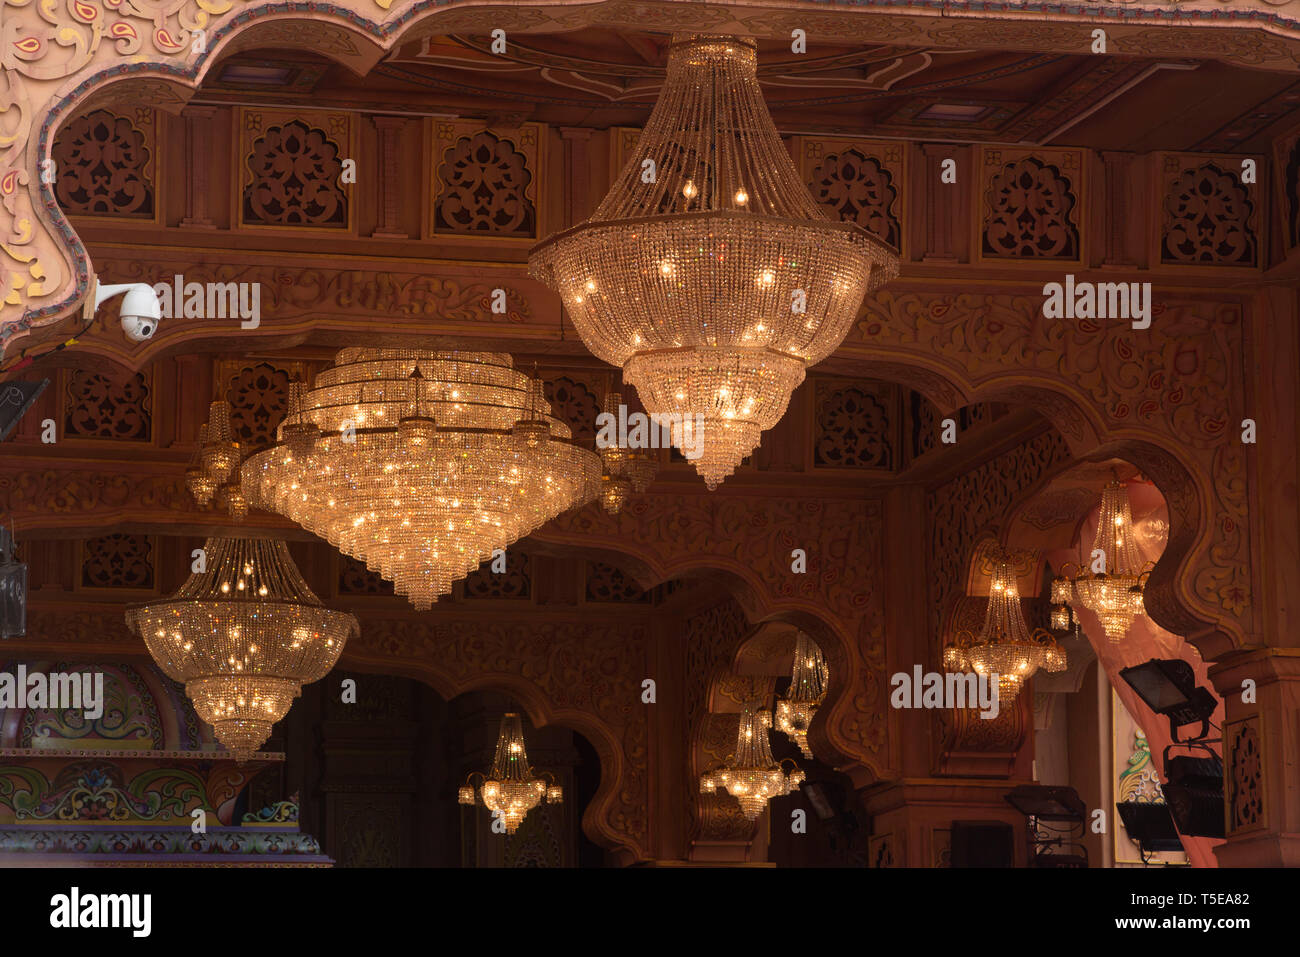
x=258 y=397
x=101 y=161
x=858 y=189
x=1245 y=778
x=1030 y=212
x=117 y=561
x=356 y=579
x=575 y=405
x=1208 y=219
x=484 y=184
x=514 y=582
x=112 y=405
x=296 y=174
x=854 y=427
x=608 y=583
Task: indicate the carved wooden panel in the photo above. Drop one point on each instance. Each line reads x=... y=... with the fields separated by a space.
x=354 y=578
x=290 y=167
x=1208 y=216
x=855 y=424
x=576 y=403
x=858 y=181
x=1244 y=772
x=368 y=830
x=259 y=397
x=1286 y=164
x=514 y=583
x=486 y=181
x=108 y=405
x=971 y=505
x=118 y=561
x=609 y=583
x=104 y=165
x=1031 y=204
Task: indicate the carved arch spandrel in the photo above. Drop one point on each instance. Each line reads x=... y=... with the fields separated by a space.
x=55 y=55
x=1165 y=399
x=747 y=542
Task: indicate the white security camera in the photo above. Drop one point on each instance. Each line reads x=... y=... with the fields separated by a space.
x=140 y=313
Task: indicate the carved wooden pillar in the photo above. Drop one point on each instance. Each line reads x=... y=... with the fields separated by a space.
x=943 y=200
x=198 y=162
x=1121 y=227
x=389 y=129
x=1261 y=739
x=577 y=174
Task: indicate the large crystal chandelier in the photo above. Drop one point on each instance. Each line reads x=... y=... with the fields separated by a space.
x=708 y=273
x=809 y=677
x=422 y=464
x=244 y=635
x=512 y=788
x=1005 y=647
x=750 y=774
x=1113 y=594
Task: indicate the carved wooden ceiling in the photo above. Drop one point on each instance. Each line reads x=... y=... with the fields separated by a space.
x=602 y=77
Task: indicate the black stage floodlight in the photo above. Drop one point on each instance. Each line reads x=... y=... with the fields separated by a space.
x=1151 y=825
x=1195 y=795
x=1168 y=686
x=1053 y=814
x=1048 y=803
x=15 y=399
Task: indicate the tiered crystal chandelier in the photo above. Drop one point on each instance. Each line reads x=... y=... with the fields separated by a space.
x=627 y=471
x=1113 y=594
x=512 y=788
x=708 y=273
x=1005 y=647
x=750 y=775
x=808 y=680
x=422 y=464
x=244 y=635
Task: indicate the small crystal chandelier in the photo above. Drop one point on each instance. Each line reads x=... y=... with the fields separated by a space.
x=751 y=775
x=512 y=788
x=422 y=464
x=808 y=680
x=1113 y=594
x=708 y=272
x=213 y=472
x=626 y=470
x=1005 y=647
x=244 y=636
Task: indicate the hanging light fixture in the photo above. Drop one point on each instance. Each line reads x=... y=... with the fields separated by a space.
x=197 y=480
x=422 y=464
x=244 y=635
x=1005 y=647
x=213 y=473
x=220 y=453
x=750 y=774
x=511 y=788
x=1114 y=594
x=626 y=470
x=709 y=273
x=809 y=677
x=636 y=466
